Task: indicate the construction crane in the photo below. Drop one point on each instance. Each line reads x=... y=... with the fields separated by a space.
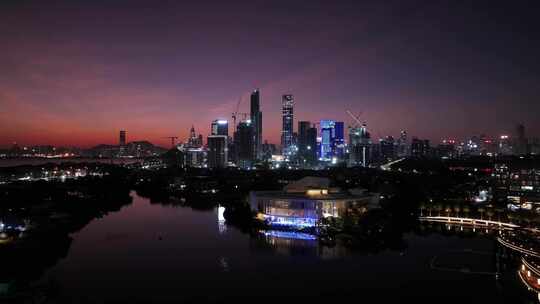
x=358 y=123
x=356 y=118
x=237 y=112
x=173 y=140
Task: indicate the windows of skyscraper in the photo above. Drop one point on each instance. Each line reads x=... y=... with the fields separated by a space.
x=220 y=127
x=217 y=151
x=307 y=143
x=420 y=147
x=360 y=147
x=256 y=123
x=287 y=103
x=243 y=139
x=327 y=139
x=338 y=144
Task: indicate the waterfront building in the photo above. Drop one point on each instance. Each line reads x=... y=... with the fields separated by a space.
x=256 y=123
x=217 y=151
x=304 y=203
x=518 y=181
x=287 y=104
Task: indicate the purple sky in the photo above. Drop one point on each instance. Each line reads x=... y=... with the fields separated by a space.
x=76 y=72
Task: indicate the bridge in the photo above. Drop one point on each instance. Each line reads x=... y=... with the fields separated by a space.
x=388 y=166
x=468 y=221
x=518 y=247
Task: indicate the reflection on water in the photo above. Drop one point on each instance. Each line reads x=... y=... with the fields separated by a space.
x=172 y=254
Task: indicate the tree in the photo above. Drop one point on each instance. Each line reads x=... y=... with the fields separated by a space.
x=466 y=210
x=457 y=209
x=481 y=210
x=490 y=213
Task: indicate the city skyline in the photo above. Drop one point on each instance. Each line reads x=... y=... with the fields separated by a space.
x=71 y=79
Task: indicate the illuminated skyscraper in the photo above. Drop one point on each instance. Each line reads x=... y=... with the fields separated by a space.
x=256 y=123
x=287 y=102
x=220 y=127
x=327 y=138
x=338 y=143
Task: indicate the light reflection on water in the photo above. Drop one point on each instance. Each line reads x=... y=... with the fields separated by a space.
x=164 y=253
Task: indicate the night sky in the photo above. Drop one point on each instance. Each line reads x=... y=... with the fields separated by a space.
x=76 y=72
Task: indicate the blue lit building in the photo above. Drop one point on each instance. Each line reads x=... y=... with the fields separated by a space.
x=302 y=204
x=327 y=139
x=339 y=140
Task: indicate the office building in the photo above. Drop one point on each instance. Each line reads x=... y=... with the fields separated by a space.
x=220 y=127
x=287 y=103
x=307 y=143
x=256 y=123
x=217 y=151
x=520 y=145
x=122 y=143
x=387 y=148
x=122 y=139
x=243 y=139
x=327 y=139
x=338 y=143
x=402 y=145
x=420 y=147
x=360 y=147
x=194 y=141
x=268 y=150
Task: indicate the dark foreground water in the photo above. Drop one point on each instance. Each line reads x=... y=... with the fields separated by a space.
x=148 y=252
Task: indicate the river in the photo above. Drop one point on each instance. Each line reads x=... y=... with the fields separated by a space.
x=151 y=252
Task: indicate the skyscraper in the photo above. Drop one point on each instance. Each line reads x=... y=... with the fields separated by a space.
x=402 y=149
x=338 y=143
x=387 y=148
x=122 y=139
x=194 y=141
x=360 y=148
x=217 y=151
x=327 y=138
x=219 y=127
x=287 y=103
x=420 y=147
x=122 y=143
x=307 y=143
x=256 y=123
x=243 y=139
x=521 y=140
